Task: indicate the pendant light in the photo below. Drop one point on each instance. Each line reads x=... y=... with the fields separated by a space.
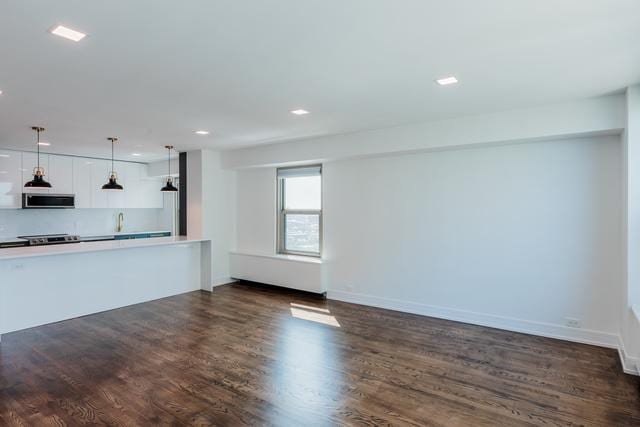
x=169 y=186
x=112 y=185
x=38 y=172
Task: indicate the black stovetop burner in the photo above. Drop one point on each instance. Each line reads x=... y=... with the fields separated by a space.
x=50 y=239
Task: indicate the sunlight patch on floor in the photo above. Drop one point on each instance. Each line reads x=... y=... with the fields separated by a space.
x=313 y=314
x=308 y=307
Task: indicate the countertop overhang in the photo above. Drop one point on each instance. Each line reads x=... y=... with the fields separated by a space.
x=85 y=247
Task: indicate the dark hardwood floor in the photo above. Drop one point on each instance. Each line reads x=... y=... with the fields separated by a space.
x=247 y=355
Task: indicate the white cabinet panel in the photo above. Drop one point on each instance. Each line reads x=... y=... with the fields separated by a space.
x=29 y=162
x=83 y=177
x=100 y=170
x=152 y=196
x=10 y=180
x=115 y=198
x=82 y=182
x=61 y=174
x=133 y=191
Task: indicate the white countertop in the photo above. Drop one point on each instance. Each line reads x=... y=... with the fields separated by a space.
x=83 y=247
x=121 y=233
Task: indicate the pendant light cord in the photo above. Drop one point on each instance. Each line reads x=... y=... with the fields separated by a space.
x=112 y=142
x=169 y=158
x=38 y=147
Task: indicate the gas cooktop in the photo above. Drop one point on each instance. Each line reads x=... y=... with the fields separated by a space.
x=50 y=239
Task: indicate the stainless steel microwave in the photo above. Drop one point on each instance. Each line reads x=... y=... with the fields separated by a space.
x=48 y=201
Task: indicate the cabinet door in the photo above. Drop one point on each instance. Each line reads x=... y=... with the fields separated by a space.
x=133 y=195
x=10 y=180
x=82 y=182
x=153 y=197
x=115 y=198
x=100 y=170
x=61 y=174
x=29 y=162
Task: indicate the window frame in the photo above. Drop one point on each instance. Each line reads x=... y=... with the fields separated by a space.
x=282 y=213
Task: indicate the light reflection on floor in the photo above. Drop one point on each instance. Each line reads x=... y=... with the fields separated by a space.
x=307 y=371
x=313 y=314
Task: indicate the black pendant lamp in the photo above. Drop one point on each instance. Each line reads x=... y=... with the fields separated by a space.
x=38 y=172
x=112 y=185
x=169 y=186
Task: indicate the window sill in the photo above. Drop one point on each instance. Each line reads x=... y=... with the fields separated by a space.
x=284 y=257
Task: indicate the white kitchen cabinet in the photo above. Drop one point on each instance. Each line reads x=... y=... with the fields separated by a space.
x=116 y=199
x=29 y=162
x=61 y=174
x=151 y=195
x=82 y=183
x=81 y=176
x=133 y=194
x=10 y=180
x=100 y=170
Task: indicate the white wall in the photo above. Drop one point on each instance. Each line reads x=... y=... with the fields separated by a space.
x=211 y=208
x=593 y=116
x=528 y=231
x=630 y=333
x=21 y=222
x=256 y=211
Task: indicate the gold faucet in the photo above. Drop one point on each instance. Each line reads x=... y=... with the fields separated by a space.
x=120 y=225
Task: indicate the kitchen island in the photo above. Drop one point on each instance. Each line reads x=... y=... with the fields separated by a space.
x=46 y=284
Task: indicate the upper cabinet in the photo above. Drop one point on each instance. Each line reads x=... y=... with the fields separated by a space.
x=60 y=174
x=81 y=176
x=151 y=194
x=140 y=190
x=82 y=185
x=99 y=176
x=10 y=180
x=29 y=163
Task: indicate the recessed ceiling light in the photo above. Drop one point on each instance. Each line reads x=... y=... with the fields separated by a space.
x=68 y=33
x=447 y=81
x=0 y=92
x=136 y=154
x=299 y=112
x=89 y=163
x=5 y=155
x=44 y=144
x=202 y=132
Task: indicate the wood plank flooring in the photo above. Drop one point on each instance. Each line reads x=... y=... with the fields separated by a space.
x=247 y=355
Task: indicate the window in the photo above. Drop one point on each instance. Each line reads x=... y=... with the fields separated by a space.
x=300 y=210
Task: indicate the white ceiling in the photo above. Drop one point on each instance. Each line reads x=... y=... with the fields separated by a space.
x=152 y=71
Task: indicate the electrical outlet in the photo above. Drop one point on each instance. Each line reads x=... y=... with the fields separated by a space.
x=17 y=267
x=572 y=323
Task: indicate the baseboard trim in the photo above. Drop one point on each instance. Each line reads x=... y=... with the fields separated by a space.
x=224 y=280
x=630 y=365
x=549 y=330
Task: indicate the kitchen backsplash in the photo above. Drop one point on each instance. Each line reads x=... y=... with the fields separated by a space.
x=17 y=222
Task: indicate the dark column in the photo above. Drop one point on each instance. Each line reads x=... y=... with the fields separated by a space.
x=182 y=221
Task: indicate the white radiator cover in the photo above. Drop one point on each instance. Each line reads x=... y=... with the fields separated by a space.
x=295 y=272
